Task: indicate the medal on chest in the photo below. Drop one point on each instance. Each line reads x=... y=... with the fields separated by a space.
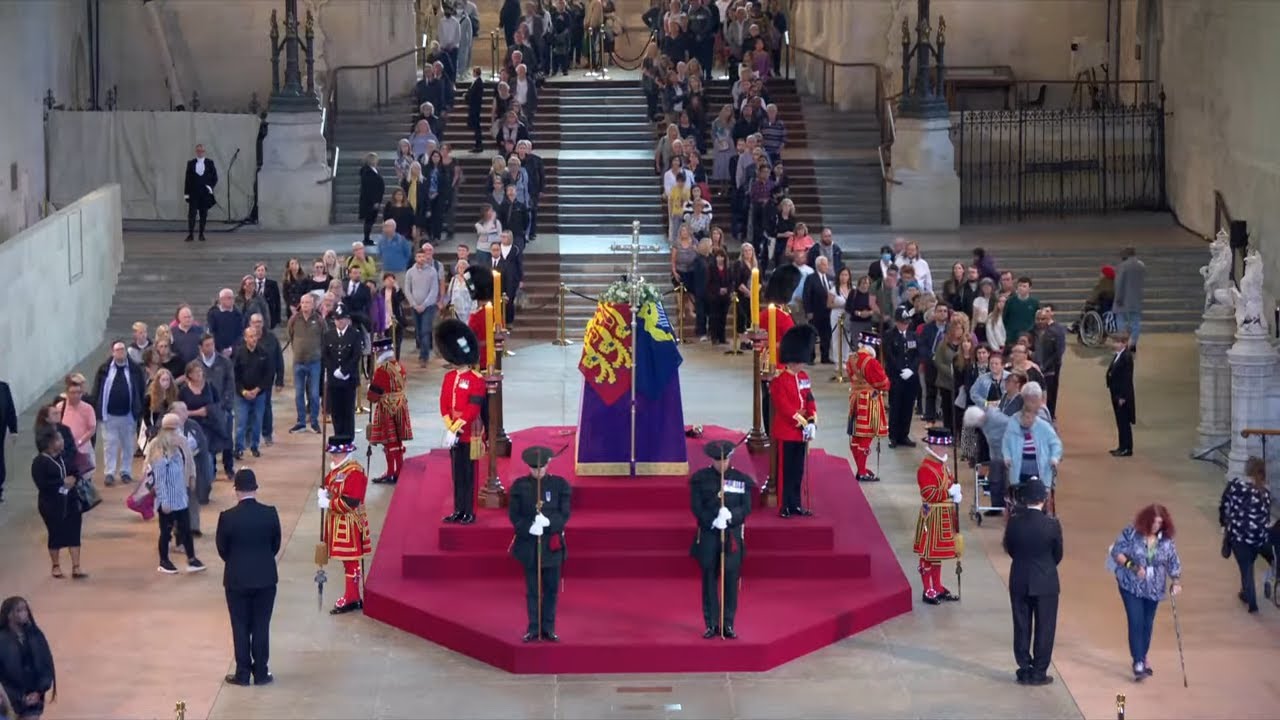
x=735 y=486
x=803 y=384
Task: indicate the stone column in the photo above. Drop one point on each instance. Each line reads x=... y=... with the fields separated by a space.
x=1253 y=364
x=1215 y=336
x=928 y=194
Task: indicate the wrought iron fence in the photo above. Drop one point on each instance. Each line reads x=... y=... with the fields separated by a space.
x=1030 y=162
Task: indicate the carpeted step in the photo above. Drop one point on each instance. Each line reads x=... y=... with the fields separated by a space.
x=592 y=563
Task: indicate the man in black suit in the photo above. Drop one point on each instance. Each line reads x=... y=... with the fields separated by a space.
x=475 y=105
x=1120 y=385
x=8 y=426
x=817 y=290
x=1034 y=541
x=248 y=541
x=507 y=259
x=197 y=190
x=356 y=296
x=340 y=358
x=269 y=290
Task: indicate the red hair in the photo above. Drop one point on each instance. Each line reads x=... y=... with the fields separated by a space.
x=1147 y=517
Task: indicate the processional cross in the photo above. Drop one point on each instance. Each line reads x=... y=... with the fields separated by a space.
x=633 y=281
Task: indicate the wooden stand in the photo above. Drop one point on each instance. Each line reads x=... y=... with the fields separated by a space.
x=493 y=496
x=499 y=433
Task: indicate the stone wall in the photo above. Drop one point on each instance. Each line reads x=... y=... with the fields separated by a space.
x=67 y=266
x=222 y=51
x=45 y=48
x=1218 y=63
x=1034 y=38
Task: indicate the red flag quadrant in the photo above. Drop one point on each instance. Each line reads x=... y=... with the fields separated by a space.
x=607 y=355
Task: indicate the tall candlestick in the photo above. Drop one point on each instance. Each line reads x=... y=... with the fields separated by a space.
x=773 y=336
x=488 y=336
x=497 y=299
x=755 y=297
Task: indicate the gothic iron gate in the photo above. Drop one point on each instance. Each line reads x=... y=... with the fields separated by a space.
x=1032 y=162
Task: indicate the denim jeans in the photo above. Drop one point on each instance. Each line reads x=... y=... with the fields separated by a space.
x=1132 y=322
x=1141 y=614
x=1246 y=556
x=306 y=391
x=119 y=436
x=249 y=420
x=268 y=419
x=423 y=328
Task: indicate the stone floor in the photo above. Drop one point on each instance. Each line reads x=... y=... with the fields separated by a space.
x=111 y=633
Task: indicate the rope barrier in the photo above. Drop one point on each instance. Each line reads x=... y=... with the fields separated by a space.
x=638 y=60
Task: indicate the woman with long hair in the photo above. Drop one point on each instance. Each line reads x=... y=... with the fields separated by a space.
x=293 y=285
x=982 y=305
x=414 y=186
x=720 y=282
x=26 y=662
x=438 y=186
x=742 y=276
x=398 y=209
x=162 y=392
x=953 y=286
x=996 y=335
x=332 y=266
x=844 y=287
x=49 y=418
x=1146 y=565
x=57 y=501
x=488 y=229
x=249 y=302
x=172 y=472
x=404 y=158
x=204 y=407
x=722 y=149
x=683 y=256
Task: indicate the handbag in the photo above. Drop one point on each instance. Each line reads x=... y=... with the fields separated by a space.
x=88 y=495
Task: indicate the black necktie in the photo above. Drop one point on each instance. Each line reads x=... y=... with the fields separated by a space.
x=352 y=291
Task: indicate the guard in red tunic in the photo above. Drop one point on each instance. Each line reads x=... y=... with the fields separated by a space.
x=937 y=533
x=389 y=425
x=778 y=292
x=462 y=395
x=794 y=416
x=346 y=526
x=867 y=386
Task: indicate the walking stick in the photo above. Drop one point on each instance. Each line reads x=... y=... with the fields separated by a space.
x=1177 y=630
x=722 y=558
x=537 y=510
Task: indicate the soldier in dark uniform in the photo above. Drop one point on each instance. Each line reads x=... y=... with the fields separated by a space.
x=901 y=358
x=340 y=358
x=720 y=498
x=539 y=510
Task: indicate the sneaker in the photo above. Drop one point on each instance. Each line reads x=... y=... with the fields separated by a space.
x=297 y=428
x=109 y=480
x=167 y=568
x=254 y=451
x=315 y=428
x=126 y=479
x=194 y=565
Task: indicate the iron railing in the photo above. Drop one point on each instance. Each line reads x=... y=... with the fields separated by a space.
x=1033 y=162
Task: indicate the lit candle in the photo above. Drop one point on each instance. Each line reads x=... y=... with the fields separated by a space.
x=497 y=299
x=488 y=335
x=773 y=335
x=755 y=297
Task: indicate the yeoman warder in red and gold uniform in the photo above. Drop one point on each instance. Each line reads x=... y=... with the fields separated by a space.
x=937 y=533
x=389 y=426
x=346 y=526
x=867 y=386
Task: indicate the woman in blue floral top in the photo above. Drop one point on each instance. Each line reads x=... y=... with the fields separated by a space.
x=1144 y=560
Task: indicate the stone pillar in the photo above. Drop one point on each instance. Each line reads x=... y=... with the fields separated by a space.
x=1253 y=364
x=928 y=196
x=1215 y=336
x=294 y=192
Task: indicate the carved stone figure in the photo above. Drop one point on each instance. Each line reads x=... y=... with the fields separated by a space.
x=1218 y=297
x=1250 y=319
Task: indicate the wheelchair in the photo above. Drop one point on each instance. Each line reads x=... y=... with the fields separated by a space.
x=1094 y=325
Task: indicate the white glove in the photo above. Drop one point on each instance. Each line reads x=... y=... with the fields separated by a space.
x=956 y=493
x=206 y=187
x=810 y=432
x=719 y=524
x=340 y=375
x=322 y=499
x=535 y=529
x=450 y=439
x=906 y=374
x=541 y=520
x=724 y=515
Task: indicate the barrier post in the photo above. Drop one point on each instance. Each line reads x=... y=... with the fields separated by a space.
x=561 y=338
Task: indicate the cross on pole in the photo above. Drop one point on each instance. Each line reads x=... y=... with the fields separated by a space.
x=633 y=280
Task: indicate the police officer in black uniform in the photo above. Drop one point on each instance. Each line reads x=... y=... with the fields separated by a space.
x=539 y=510
x=901 y=359
x=340 y=358
x=717 y=519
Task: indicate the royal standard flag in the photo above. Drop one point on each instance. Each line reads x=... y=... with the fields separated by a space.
x=657 y=355
x=606 y=352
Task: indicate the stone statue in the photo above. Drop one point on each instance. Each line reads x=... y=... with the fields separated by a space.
x=1250 y=319
x=1218 y=296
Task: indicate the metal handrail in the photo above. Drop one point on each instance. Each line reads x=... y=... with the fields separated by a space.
x=1221 y=213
